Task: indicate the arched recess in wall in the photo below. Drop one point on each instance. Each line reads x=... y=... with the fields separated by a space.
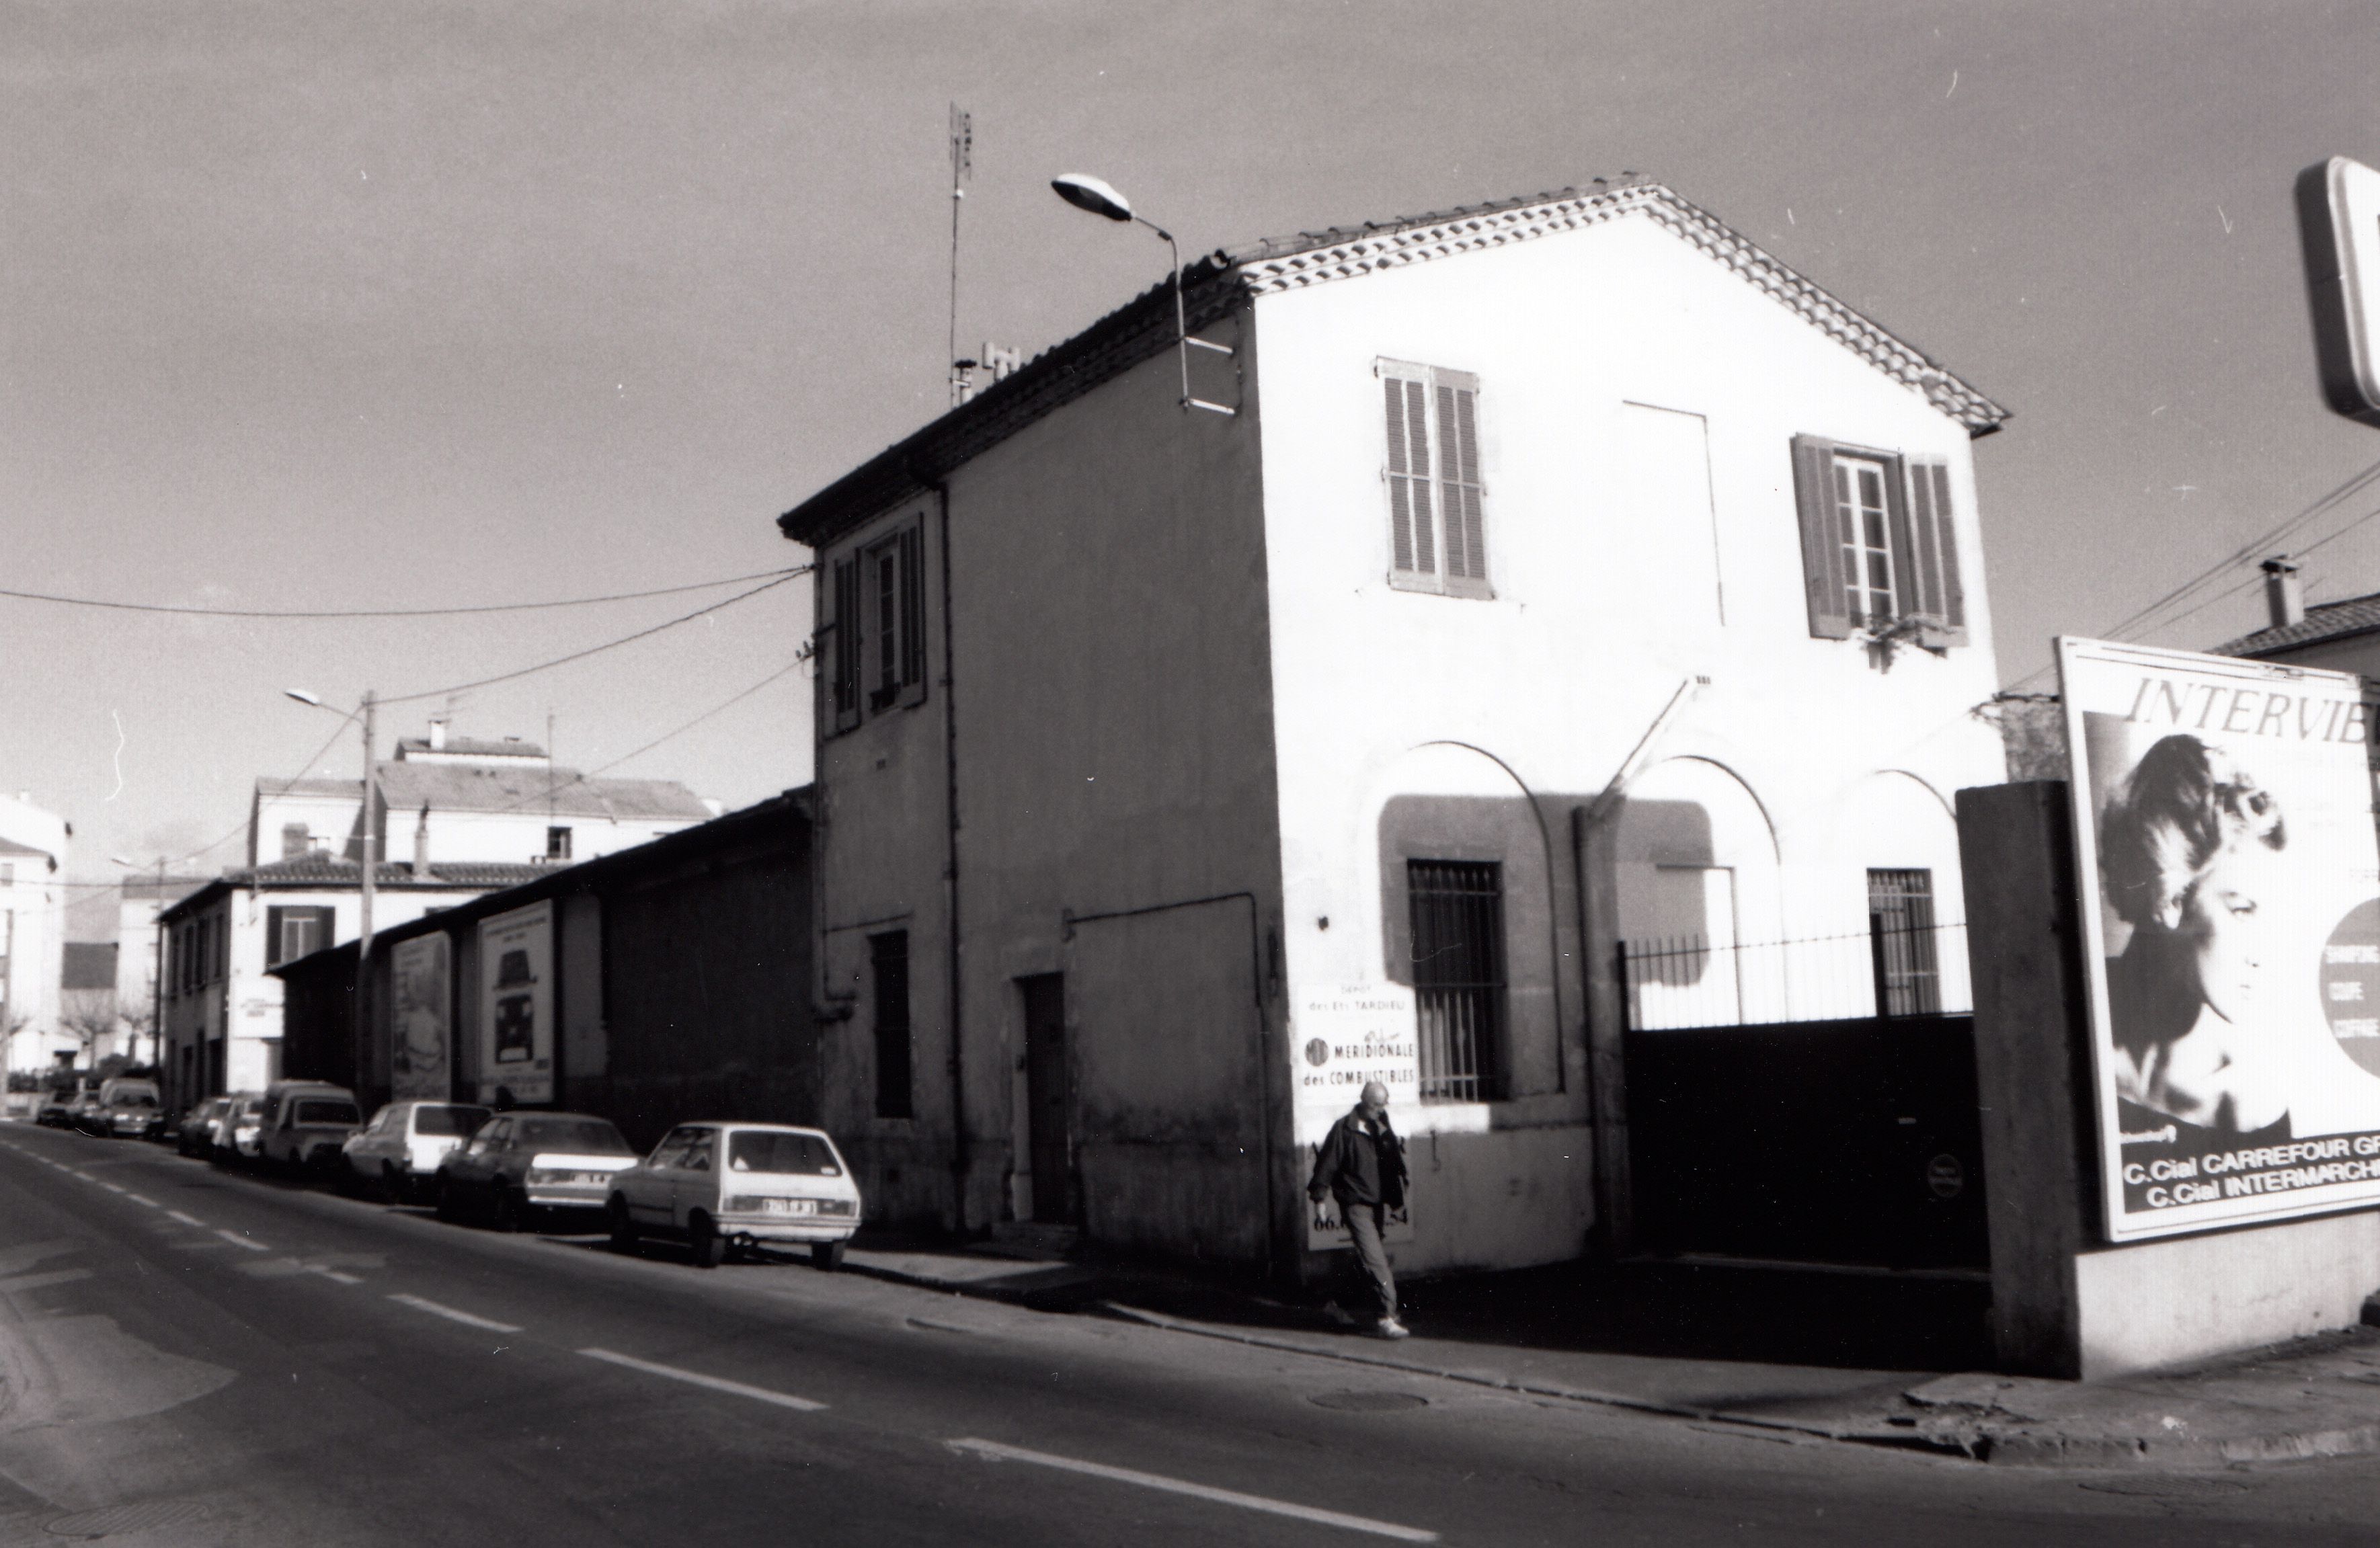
x=1447 y=814
x=1899 y=838
x=1700 y=901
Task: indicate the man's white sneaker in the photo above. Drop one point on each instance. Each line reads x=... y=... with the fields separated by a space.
x=1388 y=1327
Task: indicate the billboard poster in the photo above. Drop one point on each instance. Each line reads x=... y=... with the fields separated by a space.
x=2229 y=889
x=418 y=1065
x=1362 y=1032
x=517 y=1005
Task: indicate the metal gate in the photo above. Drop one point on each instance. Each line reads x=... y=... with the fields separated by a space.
x=1839 y=1138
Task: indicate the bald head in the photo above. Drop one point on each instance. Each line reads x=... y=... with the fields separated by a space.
x=1376 y=1098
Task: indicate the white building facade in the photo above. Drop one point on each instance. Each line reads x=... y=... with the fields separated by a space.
x=32 y=932
x=1564 y=573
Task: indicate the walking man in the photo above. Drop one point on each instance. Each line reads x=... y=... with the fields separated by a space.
x=1363 y=1166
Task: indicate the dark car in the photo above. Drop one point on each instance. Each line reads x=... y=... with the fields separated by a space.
x=520 y=1164
x=58 y=1108
x=195 y=1135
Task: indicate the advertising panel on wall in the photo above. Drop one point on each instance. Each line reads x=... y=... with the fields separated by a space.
x=517 y=1005
x=2229 y=886
x=1362 y=1033
x=418 y=1065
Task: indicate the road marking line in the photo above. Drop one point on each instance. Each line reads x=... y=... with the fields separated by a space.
x=238 y=1241
x=996 y=1452
x=186 y=1219
x=146 y=1203
x=334 y=1274
x=464 y=1317
x=111 y=1188
x=85 y=1176
x=18 y=1284
x=716 y=1383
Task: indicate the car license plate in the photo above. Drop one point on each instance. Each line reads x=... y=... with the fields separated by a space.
x=789 y=1206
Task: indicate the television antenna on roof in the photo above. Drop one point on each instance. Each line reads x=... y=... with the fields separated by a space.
x=962 y=168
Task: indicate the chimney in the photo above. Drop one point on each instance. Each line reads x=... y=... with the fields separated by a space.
x=2283 y=597
x=421 y=830
x=437 y=733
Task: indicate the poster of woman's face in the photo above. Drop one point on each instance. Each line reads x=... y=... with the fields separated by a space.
x=2230 y=877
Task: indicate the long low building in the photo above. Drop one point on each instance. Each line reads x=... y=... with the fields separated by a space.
x=659 y=983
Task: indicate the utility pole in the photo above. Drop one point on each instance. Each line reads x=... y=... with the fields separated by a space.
x=961 y=166
x=371 y=865
x=157 y=978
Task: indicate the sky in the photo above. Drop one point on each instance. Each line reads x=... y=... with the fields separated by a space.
x=324 y=306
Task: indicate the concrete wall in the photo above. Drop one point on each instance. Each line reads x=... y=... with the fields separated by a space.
x=32 y=934
x=1617 y=574
x=2064 y=1304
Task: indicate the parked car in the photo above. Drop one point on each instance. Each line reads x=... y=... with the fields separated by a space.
x=125 y=1108
x=240 y=1128
x=305 y=1123
x=724 y=1188
x=399 y=1151
x=519 y=1164
x=58 y=1106
x=195 y=1135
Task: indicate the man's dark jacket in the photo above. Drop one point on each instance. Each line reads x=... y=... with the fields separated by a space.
x=1359 y=1167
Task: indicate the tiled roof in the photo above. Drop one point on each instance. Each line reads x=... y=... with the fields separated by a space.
x=1215 y=286
x=352 y=789
x=324 y=870
x=470 y=746
x=2326 y=620
x=479 y=787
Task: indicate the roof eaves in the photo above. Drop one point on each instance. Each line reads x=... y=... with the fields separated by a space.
x=2349 y=619
x=1316 y=257
x=1139 y=330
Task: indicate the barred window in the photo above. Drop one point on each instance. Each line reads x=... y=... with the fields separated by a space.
x=1458 y=967
x=1901 y=942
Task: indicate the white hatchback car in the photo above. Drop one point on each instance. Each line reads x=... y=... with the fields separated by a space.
x=730 y=1186
x=398 y=1151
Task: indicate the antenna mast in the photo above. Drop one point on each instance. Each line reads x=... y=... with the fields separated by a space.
x=962 y=168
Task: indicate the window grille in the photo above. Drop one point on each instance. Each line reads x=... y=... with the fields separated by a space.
x=1901 y=937
x=1458 y=965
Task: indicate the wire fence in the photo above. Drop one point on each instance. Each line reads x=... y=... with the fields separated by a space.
x=1677 y=982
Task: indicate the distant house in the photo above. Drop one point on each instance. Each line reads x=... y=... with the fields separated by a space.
x=222 y=1004
x=32 y=932
x=87 y=1010
x=453 y=798
x=2342 y=635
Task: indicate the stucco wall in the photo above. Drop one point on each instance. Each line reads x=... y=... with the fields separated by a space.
x=1113 y=753
x=1603 y=606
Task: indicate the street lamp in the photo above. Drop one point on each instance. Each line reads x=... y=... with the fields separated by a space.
x=157 y=976
x=1099 y=197
x=368 y=709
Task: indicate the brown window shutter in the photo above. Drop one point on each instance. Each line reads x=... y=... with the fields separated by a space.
x=1929 y=483
x=1409 y=481
x=912 y=614
x=1458 y=430
x=847 y=642
x=1912 y=579
x=1822 y=552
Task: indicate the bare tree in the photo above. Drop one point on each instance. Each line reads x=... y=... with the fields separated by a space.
x=87 y=1016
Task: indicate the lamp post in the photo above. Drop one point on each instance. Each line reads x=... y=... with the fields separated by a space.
x=368 y=709
x=1095 y=195
x=157 y=972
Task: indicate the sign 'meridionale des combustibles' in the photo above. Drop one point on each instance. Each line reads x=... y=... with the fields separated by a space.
x=2229 y=888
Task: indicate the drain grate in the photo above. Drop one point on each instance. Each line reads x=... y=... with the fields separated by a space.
x=120 y=1518
x=1374 y=1402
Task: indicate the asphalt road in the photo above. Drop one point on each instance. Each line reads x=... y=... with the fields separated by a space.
x=194 y=1357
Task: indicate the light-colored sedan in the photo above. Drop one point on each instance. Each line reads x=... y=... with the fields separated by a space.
x=521 y=1162
x=398 y=1151
x=730 y=1186
x=240 y=1128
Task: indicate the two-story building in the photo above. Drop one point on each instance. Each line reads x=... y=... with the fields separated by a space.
x=1524 y=580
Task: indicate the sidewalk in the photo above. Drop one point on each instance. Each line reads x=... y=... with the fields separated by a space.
x=1890 y=1361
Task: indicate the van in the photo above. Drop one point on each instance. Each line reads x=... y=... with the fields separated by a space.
x=304 y=1122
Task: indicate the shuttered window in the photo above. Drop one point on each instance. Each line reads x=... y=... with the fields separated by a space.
x=1458 y=976
x=1438 y=537
x=292 y=933
x=877 y=640
x=1878 y=542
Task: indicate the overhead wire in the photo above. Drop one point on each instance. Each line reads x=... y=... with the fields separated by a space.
x=389 y=612
x=599 y=649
